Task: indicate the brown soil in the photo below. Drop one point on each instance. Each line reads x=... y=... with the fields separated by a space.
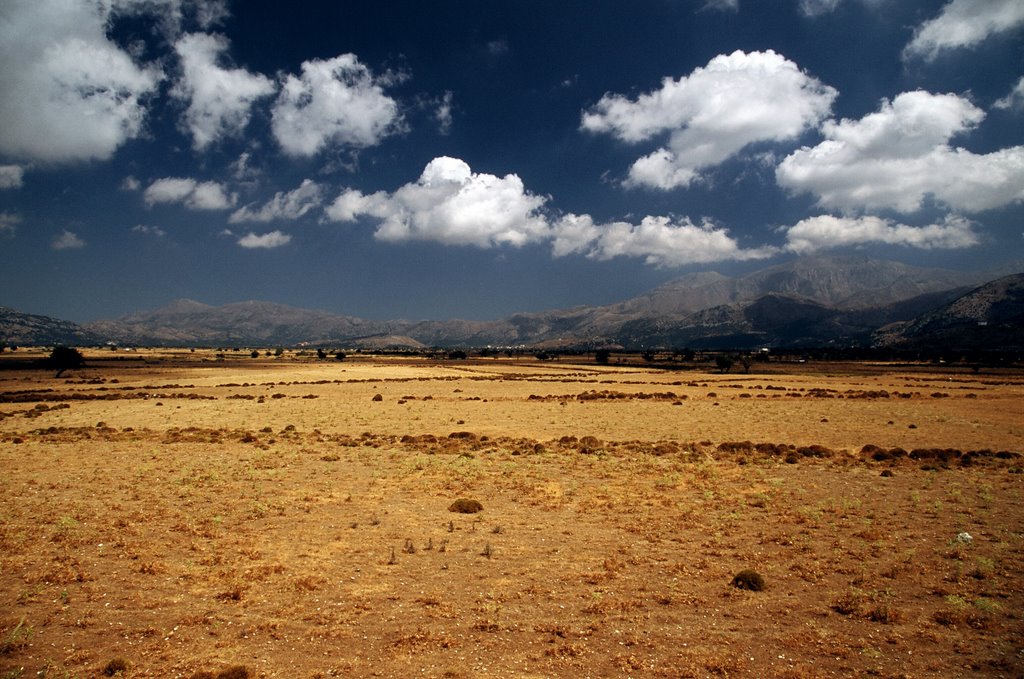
x=169 y=514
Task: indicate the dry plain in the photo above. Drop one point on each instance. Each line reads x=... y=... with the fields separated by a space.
x=169 y=514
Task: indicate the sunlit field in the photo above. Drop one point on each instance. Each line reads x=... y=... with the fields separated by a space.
x=176 y=514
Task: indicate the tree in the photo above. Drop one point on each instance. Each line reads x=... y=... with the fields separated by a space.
x=340 y=356
x=602 y=356
x=745 y=362
x=724 y=363
x=65 y=358
x=321 y=354
x=255 y=354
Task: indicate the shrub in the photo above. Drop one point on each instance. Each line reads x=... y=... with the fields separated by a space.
x=465 y=506
x=748 y=579
x=115 y=666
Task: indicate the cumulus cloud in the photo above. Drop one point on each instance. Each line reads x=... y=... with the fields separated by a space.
x=11 y=176
x=67 y=240
x=243 y=169
x=443 y=113
x=964 y=23
x=8 y=223
x=284 y=205
x=334 y=102
x=130 y=183
x=194 y=195
x=896 y=157
x=813 y=8
x=816 y=8
x=722 y=5
x=273 y=239
x=452 y=205
x=172 y=15
x=712 y=114
x=825 y=231
x=1014 y=100
x=67 y=93
x=147 y=230
x=660 y=241
x=497 y=48
x=219 y=99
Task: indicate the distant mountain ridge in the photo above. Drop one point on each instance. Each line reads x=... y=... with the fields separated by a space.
x=17 y=328
x=991 y=315
x=811 y=301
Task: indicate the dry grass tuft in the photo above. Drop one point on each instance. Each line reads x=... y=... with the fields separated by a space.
x=465 y=506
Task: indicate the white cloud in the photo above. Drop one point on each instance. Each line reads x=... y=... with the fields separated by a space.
x=443 y=113
x=11 y=176
x=965 y=23
x=896 y=157
x=147 y=230
x=722 y=5
x=825 y=231
x=813 y=8
x=67 y=240
x=219 y=98
x=242 y=168
x=194 y=195
x=291 y=205
x=816 y=8
x=171 y=15
x=1014 y=100
x=497 y=48
x=67 y=92
x=661 y=241
x=209 y=13
x=273 y=239
x=334 y=102
x=8 y=223
x=130 y=183
x=712 y=114
x=451 y=204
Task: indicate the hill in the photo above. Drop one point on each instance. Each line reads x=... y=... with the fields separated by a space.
x=986 y=318
x=17 y=328
x=810 y=301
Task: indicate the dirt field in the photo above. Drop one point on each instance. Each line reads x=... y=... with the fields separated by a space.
x=168 y=514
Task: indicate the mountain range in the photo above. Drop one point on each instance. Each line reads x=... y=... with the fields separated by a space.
x=810 y=301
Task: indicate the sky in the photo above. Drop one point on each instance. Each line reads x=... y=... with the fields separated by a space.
x=466 y=159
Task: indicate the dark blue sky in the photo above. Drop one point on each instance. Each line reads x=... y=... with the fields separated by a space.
x=467 y=159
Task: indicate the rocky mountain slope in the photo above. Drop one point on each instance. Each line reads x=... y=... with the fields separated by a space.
x=813 y=301
x=988 y=317
x=17 y=328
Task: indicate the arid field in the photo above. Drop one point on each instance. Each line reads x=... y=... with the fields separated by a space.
x=172 y=514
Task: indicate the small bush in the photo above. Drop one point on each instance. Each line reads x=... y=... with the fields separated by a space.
x=115 y=667
x=748 y=579
x=849 y=603
x=465 y=506
x=236 y=672
x=886 y=615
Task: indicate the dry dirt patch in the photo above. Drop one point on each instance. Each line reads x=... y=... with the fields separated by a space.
x=306 y=537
